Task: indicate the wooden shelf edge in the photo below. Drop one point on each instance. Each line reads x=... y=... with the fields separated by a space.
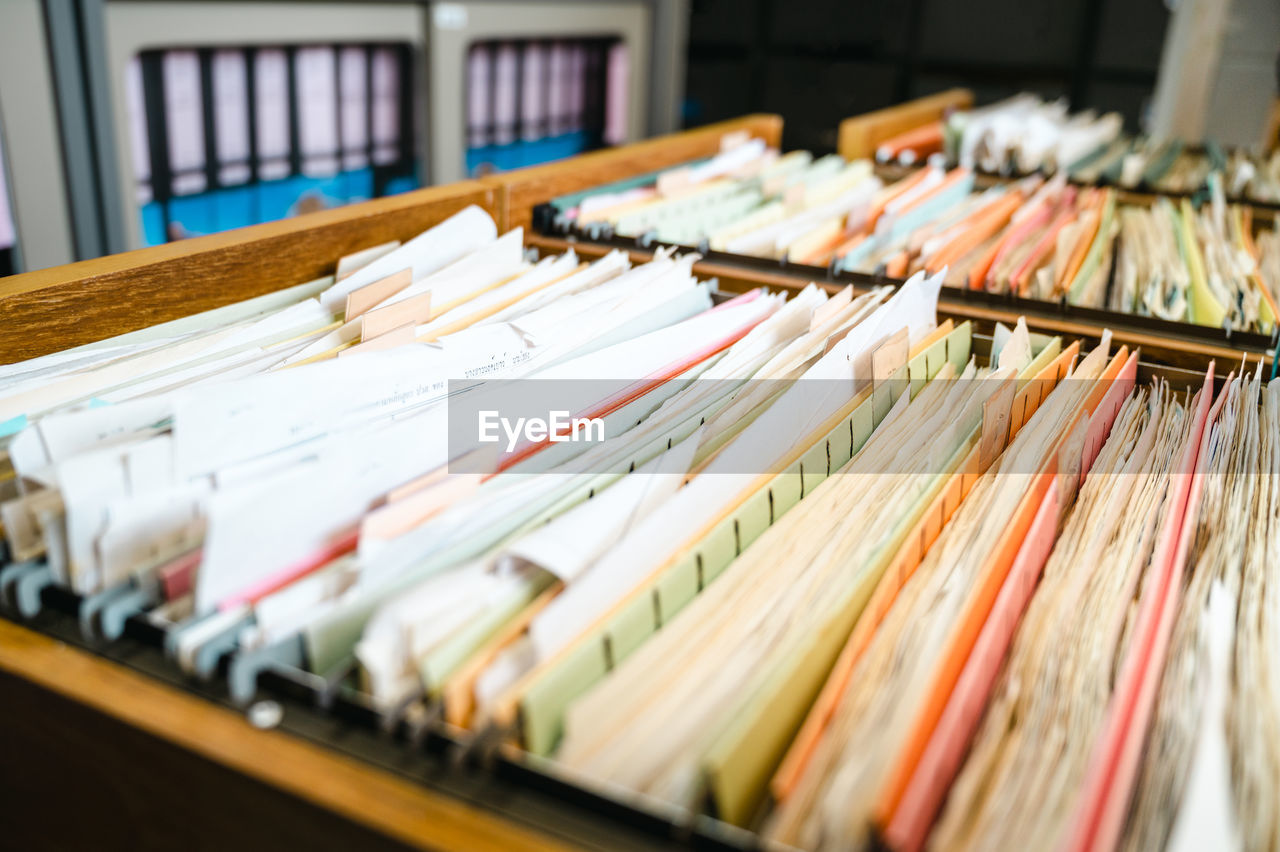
x=1176 y=351
x=859 y=135
x=362 y=794
x=519 y=191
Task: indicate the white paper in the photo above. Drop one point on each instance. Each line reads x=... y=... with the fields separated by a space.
x=312 y=504
x=67 y=433
x=568 y=545
x=149 y=529
x=430 y=251
x=224 y=423
x=548 y=269
x=1206 y=816
x=605 y=269
x=470 y=275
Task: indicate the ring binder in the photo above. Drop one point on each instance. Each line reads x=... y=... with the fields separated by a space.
x=229 y=137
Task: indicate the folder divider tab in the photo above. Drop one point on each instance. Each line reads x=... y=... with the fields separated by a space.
x=1105 y=413
x=399 y=336
x=886 y=362
x=379 y=321
x=540 y=699
x=364 y=299
x=997 y=425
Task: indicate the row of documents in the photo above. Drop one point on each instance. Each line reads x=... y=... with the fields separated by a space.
x=1035 y=238
x=1025 y=134
x=812 y=566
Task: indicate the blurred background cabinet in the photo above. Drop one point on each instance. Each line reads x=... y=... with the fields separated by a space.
x=36 y=228
x=801 y=59
x=126 y=123
x=145 y=121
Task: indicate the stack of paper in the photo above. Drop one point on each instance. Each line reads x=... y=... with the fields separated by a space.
x=893 y=704
x=1268 y=247
x=285 y=473
x=747 y=200
x=402 y=646
x=790 y=571
x=1175 y=168
x=1037 y=238
x=1185 y=768
x=1253 y=701
x=612 y=608
x=281 y=467
x=1026 y=134
x=740 y=667
x=747 y=635
x=1039 y=739
x=1048 y=241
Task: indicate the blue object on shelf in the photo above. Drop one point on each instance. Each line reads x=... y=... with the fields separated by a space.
x=192 y=216
x=396 y=185
x=235 y=207
x=358 y=185
x=153 y=224
x=267 y=201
